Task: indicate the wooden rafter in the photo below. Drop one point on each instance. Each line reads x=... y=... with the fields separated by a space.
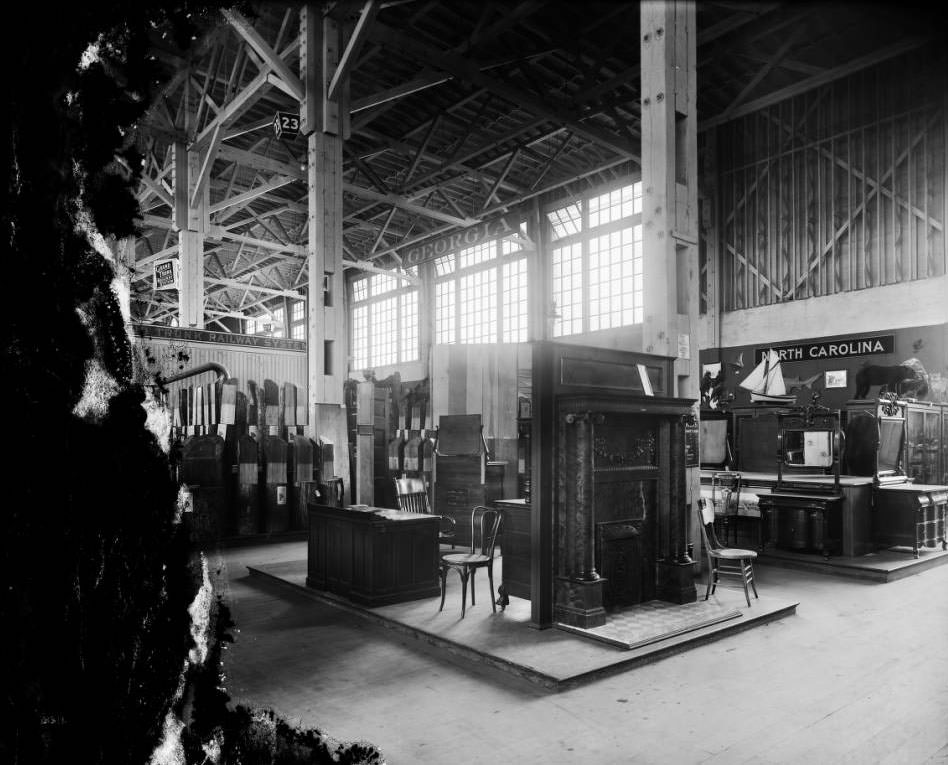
x=350 y=55
x=260 y=46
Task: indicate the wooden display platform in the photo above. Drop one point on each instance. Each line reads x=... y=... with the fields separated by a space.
x=505 y=642
x=881 y=566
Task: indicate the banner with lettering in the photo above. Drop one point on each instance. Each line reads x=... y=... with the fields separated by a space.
x=422 y=252
x=840 y=348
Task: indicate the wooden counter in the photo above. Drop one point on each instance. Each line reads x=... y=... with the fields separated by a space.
x=515 y=547
x=373 y=556
x=855 y=512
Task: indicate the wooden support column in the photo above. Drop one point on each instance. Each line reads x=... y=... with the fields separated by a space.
x=190 y=220
x=325 y=123
x=670 y=222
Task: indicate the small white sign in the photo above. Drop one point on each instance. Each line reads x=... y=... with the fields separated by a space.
x=166 y=274
x=684 y=346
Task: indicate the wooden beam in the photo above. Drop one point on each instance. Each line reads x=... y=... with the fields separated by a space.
x=500 y=178
x=253 y=287
x=233 y=108
x=275 y=183
x=204 y=173
x=402 y=203
x=400 y=275
x=764 y=71
x=862 y=62
x=260 y=46
x=353 y=48
x=423 y=81
x=259 y=162
x=465 y=69
x=216 y=232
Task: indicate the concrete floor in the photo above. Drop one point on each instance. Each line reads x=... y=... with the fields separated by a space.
x=858 y=675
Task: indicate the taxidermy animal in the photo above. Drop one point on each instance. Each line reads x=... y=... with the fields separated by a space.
x=901 y=379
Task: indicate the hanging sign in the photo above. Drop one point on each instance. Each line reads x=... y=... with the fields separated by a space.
x=508 y=225
x=165 y=274
x=286 y=125
x=840 y=348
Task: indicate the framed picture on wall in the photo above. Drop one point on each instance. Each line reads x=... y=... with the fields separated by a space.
x=834 y=378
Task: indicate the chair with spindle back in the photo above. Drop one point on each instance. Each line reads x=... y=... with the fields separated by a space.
x=412 y=498
x=724 y=561
x=485 y=525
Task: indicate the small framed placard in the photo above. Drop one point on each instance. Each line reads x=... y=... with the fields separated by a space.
x=835 y=378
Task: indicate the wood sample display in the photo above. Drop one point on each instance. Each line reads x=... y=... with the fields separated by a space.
x=465 y=477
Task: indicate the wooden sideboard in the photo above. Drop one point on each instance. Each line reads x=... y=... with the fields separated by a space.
x=373 y=556
x=515 y=548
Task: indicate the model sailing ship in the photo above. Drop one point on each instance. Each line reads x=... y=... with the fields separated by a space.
x=766 y=383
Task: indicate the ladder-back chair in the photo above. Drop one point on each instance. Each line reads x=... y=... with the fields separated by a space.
x=412 y=498
x=724 y=561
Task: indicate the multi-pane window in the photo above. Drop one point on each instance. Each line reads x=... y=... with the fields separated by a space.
x=360 y=337
x=279 y=324
x=251 y=326
x=384 y=321
x=597 y=261
x=566 y=220
x=568 y=289
x=408 y=340
x=515 y=301
x=298 y=319
x=481 y=293
x=613 y=277
x=445 y=313
x=478 y=292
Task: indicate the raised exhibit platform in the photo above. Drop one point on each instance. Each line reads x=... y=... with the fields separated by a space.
x=555 y=659
x=880 y=566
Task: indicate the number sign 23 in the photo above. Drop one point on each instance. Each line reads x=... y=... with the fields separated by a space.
x=286 y=124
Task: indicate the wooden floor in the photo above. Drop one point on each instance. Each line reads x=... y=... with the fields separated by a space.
x=858 y=675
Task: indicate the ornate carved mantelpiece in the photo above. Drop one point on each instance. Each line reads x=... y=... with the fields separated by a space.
x=616 y=467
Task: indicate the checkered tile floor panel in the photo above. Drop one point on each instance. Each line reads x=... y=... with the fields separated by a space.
x=645 y=623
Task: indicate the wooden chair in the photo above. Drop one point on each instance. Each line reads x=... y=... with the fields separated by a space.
x=726 y=499
x=485 y=525
x=724 y=561
x=412 y=498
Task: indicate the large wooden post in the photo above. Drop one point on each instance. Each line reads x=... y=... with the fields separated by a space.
x=190 y=220
x=670 y=228
x=325 y=123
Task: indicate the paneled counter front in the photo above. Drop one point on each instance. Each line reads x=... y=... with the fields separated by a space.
x=371 y=555
x=515 y=547
x=851 y=518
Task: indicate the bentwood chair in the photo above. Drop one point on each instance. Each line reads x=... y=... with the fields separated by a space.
x=485 y=525
x=724 y=561
x=412 y=498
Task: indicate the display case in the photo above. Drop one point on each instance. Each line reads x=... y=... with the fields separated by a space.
x=714 y=443
x=923 y=456
x=874 y=440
